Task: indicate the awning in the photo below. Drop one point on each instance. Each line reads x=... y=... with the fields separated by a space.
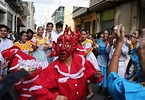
x=2 y=8
x=20 y=22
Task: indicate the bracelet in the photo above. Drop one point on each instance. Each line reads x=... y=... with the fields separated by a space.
x=116 y=55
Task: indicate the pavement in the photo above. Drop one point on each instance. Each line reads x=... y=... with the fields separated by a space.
x=97 y=96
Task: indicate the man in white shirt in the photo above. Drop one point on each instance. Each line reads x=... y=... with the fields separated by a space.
x=58 y=32
x=48 y=33
x=4 y=42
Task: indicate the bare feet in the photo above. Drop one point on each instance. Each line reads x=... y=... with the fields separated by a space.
x=90 y=95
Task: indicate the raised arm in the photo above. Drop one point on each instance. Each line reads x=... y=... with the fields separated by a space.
x=113 y=67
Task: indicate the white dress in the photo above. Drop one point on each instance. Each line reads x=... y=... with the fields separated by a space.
x=90 y=56
x=123 y=57
x=39 y=53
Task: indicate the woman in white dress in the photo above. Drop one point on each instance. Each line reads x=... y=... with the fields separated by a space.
x=41 y=47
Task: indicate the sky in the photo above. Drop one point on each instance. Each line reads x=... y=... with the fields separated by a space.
x=43 y=10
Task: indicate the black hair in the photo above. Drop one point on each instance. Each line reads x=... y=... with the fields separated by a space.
x=139 y=32
x=30 y=31
x=40 y=27
x=5 y=26
x=59 y=25
x=94 y=35
x=112 y=28
x=99 y=34
x=21 y=33
x=49 y=23
x=84 y=31
x=107 y=31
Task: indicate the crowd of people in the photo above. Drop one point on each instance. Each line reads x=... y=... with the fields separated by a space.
x=63 y=64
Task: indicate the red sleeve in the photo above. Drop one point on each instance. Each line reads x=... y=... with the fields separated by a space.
x=47 y=80
x=90 y=73
x=95 y=79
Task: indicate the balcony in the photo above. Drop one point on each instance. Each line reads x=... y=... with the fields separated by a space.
x=17 y=4
x=26 y=11
x=79 y=11
x=99 y=5
x=2 y=7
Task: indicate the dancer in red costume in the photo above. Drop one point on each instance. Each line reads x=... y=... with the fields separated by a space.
x=65 y=78
x=19 y=60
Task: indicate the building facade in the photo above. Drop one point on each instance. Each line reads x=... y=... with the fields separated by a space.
x=28 y=16
x=3 y=11
x=58 y=15
x=84 y=19
x=14 y=14
x=68 y=17
x=108 y=13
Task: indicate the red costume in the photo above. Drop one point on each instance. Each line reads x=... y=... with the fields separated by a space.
x=17 y=58
x=60 y=79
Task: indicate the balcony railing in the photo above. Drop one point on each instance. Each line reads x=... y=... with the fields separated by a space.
x=94 y=2
x=17 y=4
x=98 y=5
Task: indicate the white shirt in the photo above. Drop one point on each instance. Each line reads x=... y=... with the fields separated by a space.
x=4 y=44
x=55 y=35
x=124 y=51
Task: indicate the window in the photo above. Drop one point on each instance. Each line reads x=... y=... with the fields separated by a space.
x=94 y=27
x=15 y=27
x=107 y=18
x=87 y=26
x=107 y=24
x=79 y=27
x=9 y=20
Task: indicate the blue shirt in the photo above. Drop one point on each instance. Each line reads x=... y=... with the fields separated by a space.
x=122 y=89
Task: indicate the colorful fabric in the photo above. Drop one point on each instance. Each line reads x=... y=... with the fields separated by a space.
x=58 y=78
x=103 y=61
x=39 y=53
x=26 y=48
x=21 y=86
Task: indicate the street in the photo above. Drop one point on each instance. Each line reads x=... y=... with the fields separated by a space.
x=96 y=95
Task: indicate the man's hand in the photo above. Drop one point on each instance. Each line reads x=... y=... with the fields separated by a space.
x=46 y=47
x=98 y=74
x=61 y=97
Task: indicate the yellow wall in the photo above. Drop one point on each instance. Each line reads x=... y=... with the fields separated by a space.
x=86 y=18
x=68 y=17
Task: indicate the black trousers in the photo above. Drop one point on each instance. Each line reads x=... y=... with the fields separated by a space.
x=6 y=96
